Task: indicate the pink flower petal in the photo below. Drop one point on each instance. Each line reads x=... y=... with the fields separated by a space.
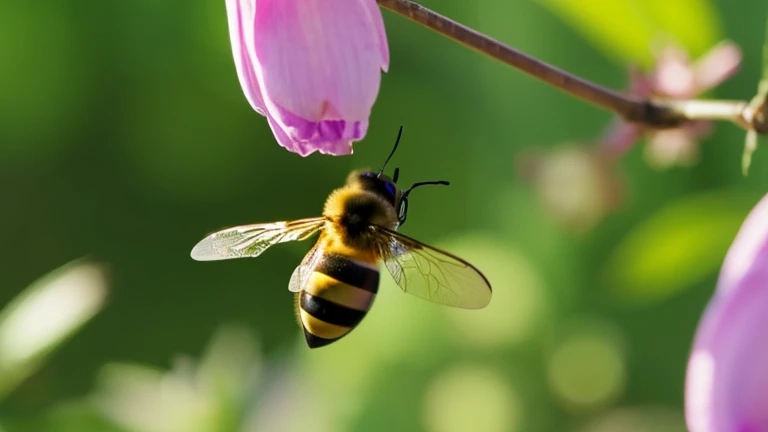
x=285 y=141
x=727 y=381
x=313 y=54
x=640 y=84
x=333 y=137
x=374 y=14
x=727 y=377
x=669 y=147
x=620 y=137
x=717 y=65
x=751 y=244
x=240 y=14
x=312 y=67
x=674 y=75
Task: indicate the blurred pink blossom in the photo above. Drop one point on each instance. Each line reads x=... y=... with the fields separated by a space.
x=675 y=77
x=727 y=377
x=577 y=184
x=311 y=67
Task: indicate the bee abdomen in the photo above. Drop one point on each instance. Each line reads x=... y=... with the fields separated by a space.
x=325 y=321
x=349 y=271
x=337 y=297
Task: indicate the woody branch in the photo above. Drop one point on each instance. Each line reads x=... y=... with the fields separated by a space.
x=653 y=113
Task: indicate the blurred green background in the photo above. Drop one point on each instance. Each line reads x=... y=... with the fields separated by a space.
x=125 y=138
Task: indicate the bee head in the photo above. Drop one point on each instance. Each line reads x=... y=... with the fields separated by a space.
x=380 y=184
x=386 y=187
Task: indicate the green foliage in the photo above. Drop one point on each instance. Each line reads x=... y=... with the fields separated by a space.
x=124 y=134
x=624 y=29
x=758 y=105
x=677 y=247
x=77 y=416
x=44 y=316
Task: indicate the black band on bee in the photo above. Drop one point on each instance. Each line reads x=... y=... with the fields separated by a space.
x=330 y=312
x=349 y=272
x=316 y=341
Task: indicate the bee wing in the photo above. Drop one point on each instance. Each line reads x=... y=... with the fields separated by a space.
x=302 y=272
x=251 y=240
x=433 y=274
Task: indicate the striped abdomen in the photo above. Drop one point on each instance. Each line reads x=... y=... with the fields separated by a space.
x=337 y=296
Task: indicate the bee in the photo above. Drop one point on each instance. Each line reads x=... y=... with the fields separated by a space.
x=338 y=279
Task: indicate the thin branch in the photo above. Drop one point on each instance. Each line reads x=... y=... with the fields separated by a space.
x=657 y=114
x=727 y=110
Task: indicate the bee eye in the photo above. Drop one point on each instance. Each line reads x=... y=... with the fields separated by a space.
x=403 y=210
x=390 y=188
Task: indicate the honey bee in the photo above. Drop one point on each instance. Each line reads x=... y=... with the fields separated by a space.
x=337 y=281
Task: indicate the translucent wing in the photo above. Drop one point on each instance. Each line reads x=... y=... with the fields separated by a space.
x=433 y=274
x=301 y=274
x=251 y=240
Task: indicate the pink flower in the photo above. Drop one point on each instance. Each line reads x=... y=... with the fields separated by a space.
x=577 y=185
x=727 y=377
x=676 y=77
x=312 y=67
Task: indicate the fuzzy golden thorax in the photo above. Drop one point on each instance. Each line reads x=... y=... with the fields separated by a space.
x=352 y=210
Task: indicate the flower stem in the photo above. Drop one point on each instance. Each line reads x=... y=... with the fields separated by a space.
x=728 y=110
x=656 y=114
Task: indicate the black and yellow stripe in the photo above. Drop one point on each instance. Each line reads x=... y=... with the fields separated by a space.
x=339 y=293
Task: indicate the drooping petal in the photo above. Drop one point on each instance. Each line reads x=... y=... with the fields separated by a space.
x=334 y=135
x=717 y=65
x=319 y=63
x=240 y=14
x=285 y=141
x=727 y=377
x=377 y=21
x=313 y=52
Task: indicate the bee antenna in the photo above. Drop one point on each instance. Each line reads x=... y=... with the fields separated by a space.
x=396 y=175
x=415 y=185
x=403 y=204
x=392 y=153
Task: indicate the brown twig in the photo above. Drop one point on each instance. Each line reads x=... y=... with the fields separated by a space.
x=656 y=114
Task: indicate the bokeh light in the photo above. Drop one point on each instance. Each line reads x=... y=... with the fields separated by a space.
x=194 y=396
x=125 y=136
x=519 y=302
x=472 y=397
x=576 y=184
x=638 y=419
x=44 y=315
x=587 y=366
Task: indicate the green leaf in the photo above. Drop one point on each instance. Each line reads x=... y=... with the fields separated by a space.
x=679 y=246
x=617 y=27
x=750 y=145
x=762 y=86
x=626 y=29
x=697 y=31
x=757 y=105
x=45 y=315
x=75 y=416
x=209 y=394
